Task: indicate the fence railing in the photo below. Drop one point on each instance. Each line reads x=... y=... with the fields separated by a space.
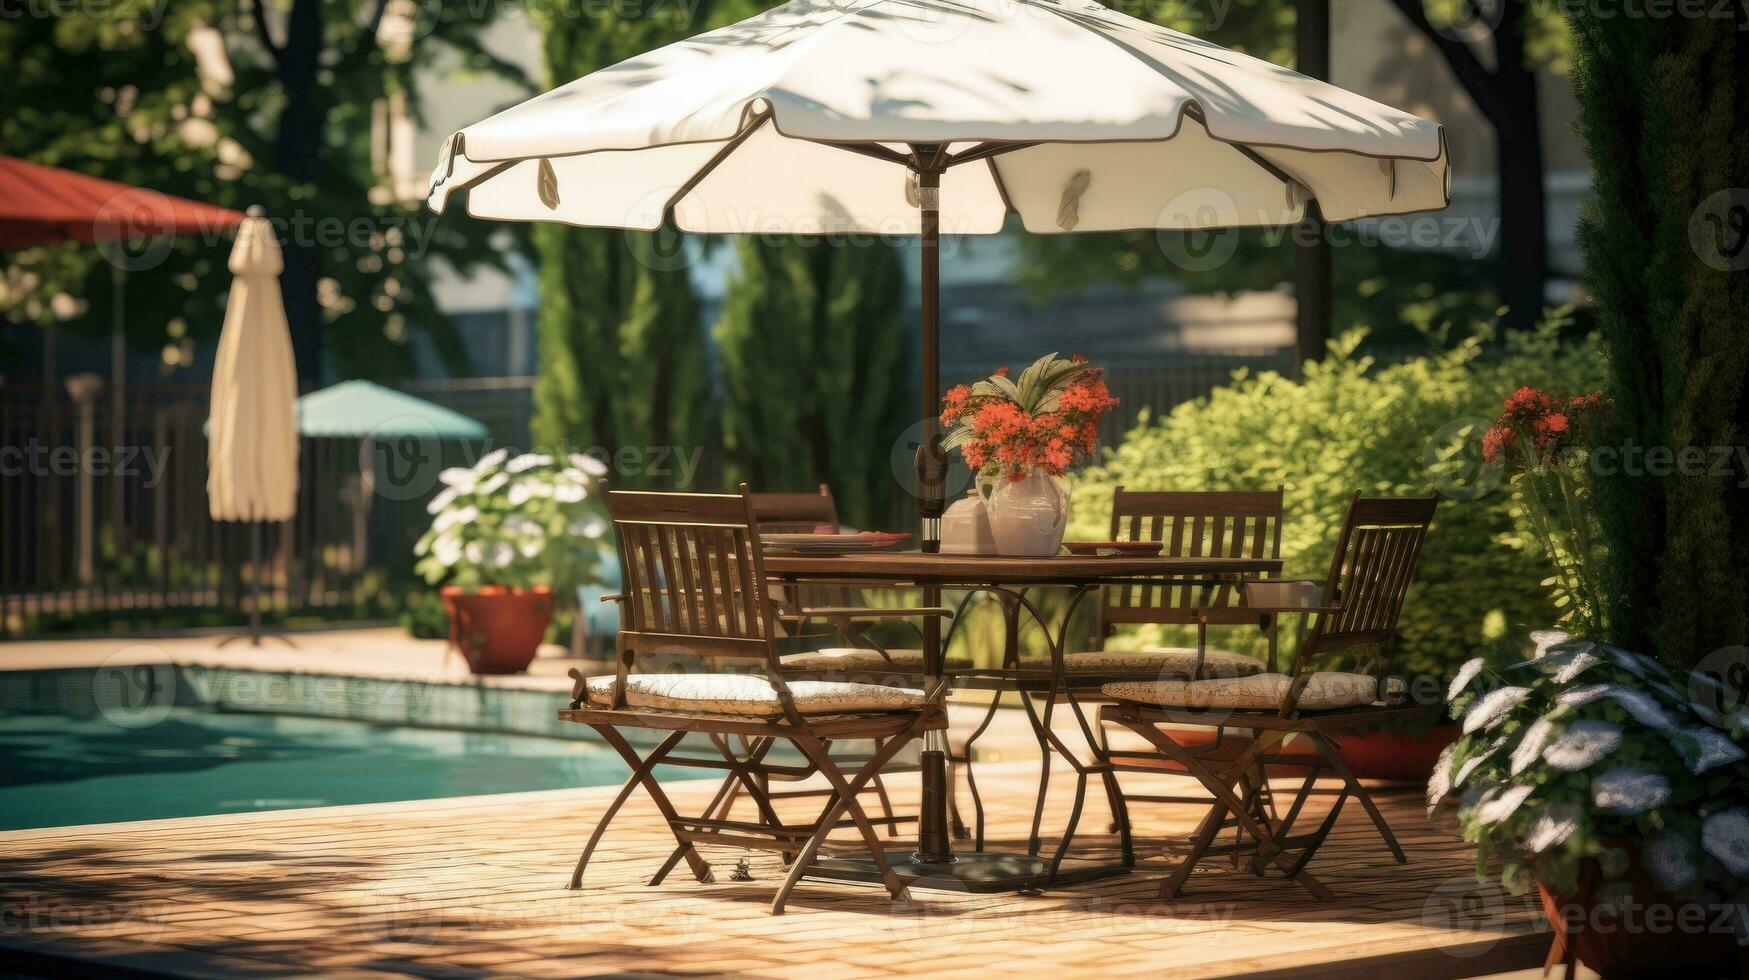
x=102 y=528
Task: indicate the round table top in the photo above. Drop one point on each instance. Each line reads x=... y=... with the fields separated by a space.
x=938 y=569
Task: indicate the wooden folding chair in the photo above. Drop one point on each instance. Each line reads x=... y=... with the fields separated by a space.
x=1357 y=606
x=1188 y=524
x=842 y=609
x=695 y=583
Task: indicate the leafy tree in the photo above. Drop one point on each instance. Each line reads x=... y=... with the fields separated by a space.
x=1494 y=48
x=280 y=117
x=816 y=364
x=1662 y=105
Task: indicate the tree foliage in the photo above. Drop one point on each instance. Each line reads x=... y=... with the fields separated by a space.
x=119 y=93
x=1349 y=425
x=1662 y=114
x=816 y=365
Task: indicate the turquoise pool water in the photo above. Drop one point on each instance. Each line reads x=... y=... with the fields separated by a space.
x=73 y=766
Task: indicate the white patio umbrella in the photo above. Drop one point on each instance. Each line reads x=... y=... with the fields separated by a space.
x=252 y=450
x=919 y=116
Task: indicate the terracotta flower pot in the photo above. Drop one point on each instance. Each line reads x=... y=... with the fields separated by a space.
x=1390 y=756
x=1655 y=936
x=498 y=629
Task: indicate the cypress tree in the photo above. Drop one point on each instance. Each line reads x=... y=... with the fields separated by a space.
x=622 y=350
x=815 y=358
x=1662 y=114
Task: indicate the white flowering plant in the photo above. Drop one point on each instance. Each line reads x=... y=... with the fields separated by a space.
x=1586 y=748
x=516 y=521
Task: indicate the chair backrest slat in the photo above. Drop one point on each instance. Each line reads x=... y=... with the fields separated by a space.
x=795 y=513
x=1370 y=572
x=1189 y=524
x=693 y=574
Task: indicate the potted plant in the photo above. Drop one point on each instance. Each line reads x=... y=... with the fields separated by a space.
x=508 y=535
x=1022 y=437
x=1619 y=790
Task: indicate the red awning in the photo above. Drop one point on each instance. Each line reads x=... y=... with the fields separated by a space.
x=40 y=205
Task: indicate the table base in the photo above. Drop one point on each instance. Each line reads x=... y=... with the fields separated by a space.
x=973 y=872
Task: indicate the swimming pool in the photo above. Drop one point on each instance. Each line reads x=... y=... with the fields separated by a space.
x=73 y=752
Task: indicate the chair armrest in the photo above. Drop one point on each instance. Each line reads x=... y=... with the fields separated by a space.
x=873 y=612
x=1277 y=595
x=1234 y=615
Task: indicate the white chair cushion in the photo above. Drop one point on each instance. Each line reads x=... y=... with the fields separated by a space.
x=1157 y=662
x=750 y=695
x=857 y=660
x=1324 y=691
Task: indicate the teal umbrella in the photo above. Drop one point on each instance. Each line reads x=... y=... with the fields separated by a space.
x=369 y=412
x=365 y=410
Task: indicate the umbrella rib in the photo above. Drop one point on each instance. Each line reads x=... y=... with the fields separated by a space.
x=759 y=119
x=993 y=148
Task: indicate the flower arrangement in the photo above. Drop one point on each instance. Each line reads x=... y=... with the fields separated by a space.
x=1544 y=441
x=1047 y=420
x=1590 y=754
x=515 y=521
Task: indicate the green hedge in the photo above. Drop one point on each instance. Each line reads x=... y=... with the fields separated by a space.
x=1349 y=425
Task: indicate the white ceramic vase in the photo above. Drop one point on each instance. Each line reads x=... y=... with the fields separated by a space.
x=1027 y=516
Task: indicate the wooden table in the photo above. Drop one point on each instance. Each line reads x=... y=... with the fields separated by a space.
x=935 y=863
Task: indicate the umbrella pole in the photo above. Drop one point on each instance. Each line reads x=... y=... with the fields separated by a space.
x=933 y=844
x=254 y=583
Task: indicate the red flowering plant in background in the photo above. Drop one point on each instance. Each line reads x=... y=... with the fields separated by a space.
x=1539 y=429
x=1545 y=442
x=1047 y=419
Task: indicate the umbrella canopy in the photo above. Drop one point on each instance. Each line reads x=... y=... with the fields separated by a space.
x=41 y=205
x=806 y=119
x=252 y=459
x=363 y=410
x=924 y=116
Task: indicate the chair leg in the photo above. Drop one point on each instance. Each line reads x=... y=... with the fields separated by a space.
x=1222 y=788
x=843 y=798
x=1284 y=826
x=1333 y=758
x=891 y=819
x=1317 y=841
x=1200 y=843
x=701 y=869
x=640 y=772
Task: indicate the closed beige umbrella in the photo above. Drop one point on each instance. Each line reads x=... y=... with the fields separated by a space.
x=252 y=453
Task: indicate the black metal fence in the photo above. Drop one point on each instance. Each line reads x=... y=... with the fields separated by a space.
x=101 y=529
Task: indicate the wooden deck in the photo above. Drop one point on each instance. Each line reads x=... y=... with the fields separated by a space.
x=474 y=886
